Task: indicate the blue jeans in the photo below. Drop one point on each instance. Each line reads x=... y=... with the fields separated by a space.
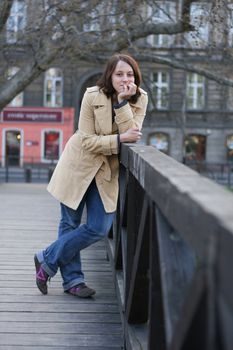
x=64 y=253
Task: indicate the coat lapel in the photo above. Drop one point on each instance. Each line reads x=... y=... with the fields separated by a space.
x=103 y=112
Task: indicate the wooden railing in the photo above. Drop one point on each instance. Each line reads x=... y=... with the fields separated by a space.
x=171 y=250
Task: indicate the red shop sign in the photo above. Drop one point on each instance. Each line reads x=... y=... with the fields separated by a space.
x=32 y=115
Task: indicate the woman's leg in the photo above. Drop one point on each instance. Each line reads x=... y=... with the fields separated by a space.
x=70 y=220
x=66 y=247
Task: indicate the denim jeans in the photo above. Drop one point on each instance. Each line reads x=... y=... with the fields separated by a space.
x=64 y=253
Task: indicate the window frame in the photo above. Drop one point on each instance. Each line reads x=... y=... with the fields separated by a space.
x=193 y=155
x=18 y=100
x=230 y=98
x=18 y=11
x=53 y=80
x=43 y=132
x=162 y=40
x=165 y=134
x=230 y=25
x=195 y=19
x=229 y=149
x=157 y=87
x=100 y=13
x=195 y=85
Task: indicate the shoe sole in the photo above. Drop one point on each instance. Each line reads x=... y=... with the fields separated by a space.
x=42 y=287
x=87 y=294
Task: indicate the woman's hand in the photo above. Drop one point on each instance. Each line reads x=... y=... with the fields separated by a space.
x=127 y=91
x=131 y=135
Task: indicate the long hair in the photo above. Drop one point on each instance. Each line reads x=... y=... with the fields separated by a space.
x=105 y=81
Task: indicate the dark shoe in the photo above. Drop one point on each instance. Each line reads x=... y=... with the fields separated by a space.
x=81 y=290
x=41 y=277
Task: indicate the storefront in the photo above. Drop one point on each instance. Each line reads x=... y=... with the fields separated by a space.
x=195 y=147
x=160 y=140
x=34 y=135
x=229 y=147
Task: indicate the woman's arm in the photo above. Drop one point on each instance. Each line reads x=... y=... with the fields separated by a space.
x=129 y=125
x=104 y=144
x=126 y=119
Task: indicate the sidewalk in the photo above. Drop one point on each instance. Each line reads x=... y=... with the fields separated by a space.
x=29 y=320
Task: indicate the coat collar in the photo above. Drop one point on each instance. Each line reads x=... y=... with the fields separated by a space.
x=100 y=99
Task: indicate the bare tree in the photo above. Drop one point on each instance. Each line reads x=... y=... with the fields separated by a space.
x=56 y=30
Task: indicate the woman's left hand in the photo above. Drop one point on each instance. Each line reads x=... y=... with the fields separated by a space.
x=127 y=91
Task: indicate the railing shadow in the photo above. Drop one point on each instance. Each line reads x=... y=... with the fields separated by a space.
x=170 y=249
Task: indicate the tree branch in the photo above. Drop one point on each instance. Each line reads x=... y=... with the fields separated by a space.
x=189 y=67
x=5 y=7
x=181 y=26
x=25 y=76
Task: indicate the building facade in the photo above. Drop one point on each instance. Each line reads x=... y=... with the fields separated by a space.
x=189 y=117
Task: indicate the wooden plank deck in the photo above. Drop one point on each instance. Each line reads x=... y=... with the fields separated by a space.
x=30 y=320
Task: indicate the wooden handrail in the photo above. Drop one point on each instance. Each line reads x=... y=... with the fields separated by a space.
x=171 y=254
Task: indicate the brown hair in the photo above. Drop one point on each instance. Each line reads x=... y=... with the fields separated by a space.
x=105 y=81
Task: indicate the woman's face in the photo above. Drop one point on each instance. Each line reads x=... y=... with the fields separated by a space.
x=122 y=75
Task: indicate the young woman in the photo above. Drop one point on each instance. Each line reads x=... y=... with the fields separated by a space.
x=87 y=172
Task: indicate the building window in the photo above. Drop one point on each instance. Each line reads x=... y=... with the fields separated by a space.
x=105 y=14
x=199 y=19
x=162 y=12
x=18 y=100
x=53 y=95
x=159 y=140
x=16 y=21
x=230 y=98
x=51 y=144
x=229 y=146
x=94 y=18
x=195 y=91
x=230 y=24
x=160 y=89
x=195 y=147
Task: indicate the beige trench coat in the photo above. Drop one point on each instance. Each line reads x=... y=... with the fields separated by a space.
x=92 y=151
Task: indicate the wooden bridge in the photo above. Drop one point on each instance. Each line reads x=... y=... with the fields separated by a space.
x=167 y=282
x=29 y=320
